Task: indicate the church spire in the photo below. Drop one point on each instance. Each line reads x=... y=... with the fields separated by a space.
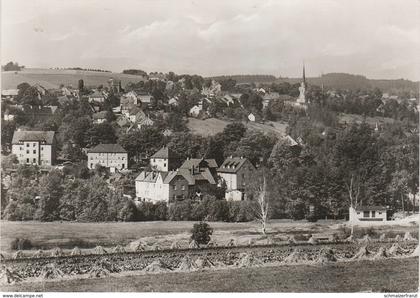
x=304 y=78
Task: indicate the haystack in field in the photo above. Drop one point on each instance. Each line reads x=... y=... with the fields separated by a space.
x=157 y=266
x=365 y=239
x=175 y=245
x=291 y=240
x=76 y=251
x=415 y=253
x=155 y=247
x=312 y=240
x=193 y=244
x=408 y=237
x=99 y=250
x=11 y=277
x=297 y=256
x=363 y=253
x=103 y=268
x=382 y=238
x=212 y=244
x=137 y=246
x=39 y=254
x=326 y=255
x=397 y=238
x=231 y=243
x=248 y=260
x=251 y=242
x=187 y=264
x=203 y=262
x=381 y=254
x=17 y=255
x=57 y=252
x=349 y=239
x=396 y=250
x=269 y=241
x=51 y=271
x=118 y=249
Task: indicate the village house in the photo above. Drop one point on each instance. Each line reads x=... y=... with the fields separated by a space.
x=196 y=110
x=129 y=100
x=114 y=85
x=165 y=183
x=34 y=147
x=111 y=156
x=235 y=172
x=145 y=99
x=9 y=94
x=96 y=96
x=251 y=117
x=367 y=213
x=8 y=115
x=173 y=101
x=99 y=117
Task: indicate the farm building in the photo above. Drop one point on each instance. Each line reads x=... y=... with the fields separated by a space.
x=367 y=213
x=111 y=156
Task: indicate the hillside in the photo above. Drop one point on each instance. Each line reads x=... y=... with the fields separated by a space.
x=52 y=78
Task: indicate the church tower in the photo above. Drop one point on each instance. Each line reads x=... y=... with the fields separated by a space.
x=303 y=76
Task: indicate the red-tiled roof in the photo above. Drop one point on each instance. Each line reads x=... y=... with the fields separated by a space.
x=108 y=148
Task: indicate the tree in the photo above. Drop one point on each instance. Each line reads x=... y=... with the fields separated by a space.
x=201 y=233
x=261 y=207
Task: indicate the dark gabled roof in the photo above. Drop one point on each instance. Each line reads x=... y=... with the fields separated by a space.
x=108 y=148
x=232 y=165
x=369 y=208
x=194 y=162
x=46 y=136
x=165 y=153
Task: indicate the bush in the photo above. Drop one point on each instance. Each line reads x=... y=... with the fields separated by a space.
x=20 y=244
x=201 y=233
x=180 y=210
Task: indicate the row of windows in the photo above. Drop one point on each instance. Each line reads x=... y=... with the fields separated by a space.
x=27 y=151
x=182 y=187
x=96 y=157
x=367 y=213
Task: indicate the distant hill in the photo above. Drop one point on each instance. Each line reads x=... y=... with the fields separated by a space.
x=52 y=78
x=354 y=82
x=334 y=80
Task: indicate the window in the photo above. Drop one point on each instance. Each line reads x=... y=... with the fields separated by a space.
x=380 y=212
x=34 y=144
x=27 y=160
x=183 y=187
x=164 y=164
x=34 y=160
x=27 y=151
x=34 y=151
x=373 y=214
x=174 y=187
x=27 y=144
x=21 y=148
x=42 y=148
x=365 y=213
x=358 y=212
x=123 y=165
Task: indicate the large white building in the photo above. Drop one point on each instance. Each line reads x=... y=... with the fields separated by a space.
x=34 y=147
x=111 y=156
x=236 y=171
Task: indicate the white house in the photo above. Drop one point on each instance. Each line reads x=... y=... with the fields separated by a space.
x=173 y=101
x=251 y=117
x=111 y=156
x=367 y=213
x=34 y=147
x=96 y=96
x=196 y=110
x=236 y=171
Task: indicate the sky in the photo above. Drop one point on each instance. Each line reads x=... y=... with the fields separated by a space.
x=375 y=38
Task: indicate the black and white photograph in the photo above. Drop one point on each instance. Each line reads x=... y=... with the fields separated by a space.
x=209 y=146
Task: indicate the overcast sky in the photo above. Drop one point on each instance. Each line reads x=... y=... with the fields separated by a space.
x=376 y=38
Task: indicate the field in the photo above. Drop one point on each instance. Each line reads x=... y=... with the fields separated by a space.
x=212 y=126
x=88 y=235
x=51 y=78
x=352 y=118
x=390 y=275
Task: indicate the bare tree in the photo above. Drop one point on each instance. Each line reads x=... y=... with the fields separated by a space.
x=353 y=190
x=261 y=207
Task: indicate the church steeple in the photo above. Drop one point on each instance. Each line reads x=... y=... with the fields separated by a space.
x=303 y=76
